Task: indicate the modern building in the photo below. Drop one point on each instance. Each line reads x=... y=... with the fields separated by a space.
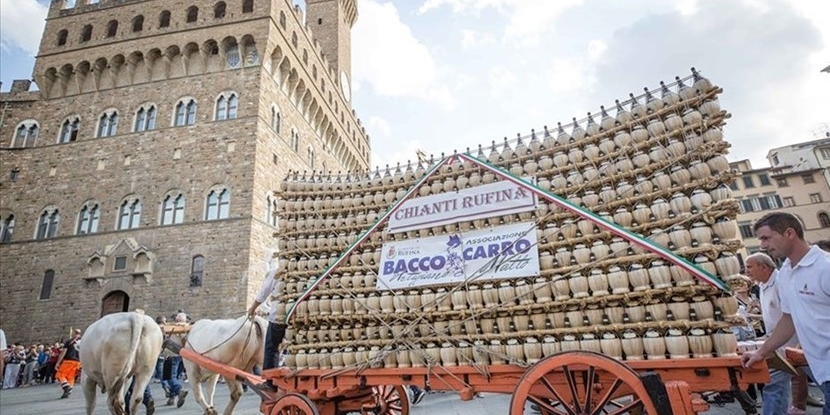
x=797 y=182
x=141 y=172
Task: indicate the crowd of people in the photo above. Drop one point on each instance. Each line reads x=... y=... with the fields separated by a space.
x=22 y=366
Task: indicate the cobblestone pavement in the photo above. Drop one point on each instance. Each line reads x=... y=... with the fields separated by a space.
x=45 y=400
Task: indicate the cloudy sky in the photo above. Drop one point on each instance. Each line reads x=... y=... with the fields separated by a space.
x=440 y=75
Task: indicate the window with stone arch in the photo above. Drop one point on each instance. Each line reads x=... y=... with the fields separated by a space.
x=6 y=227
x=247 y=6
x=47 y=224
x=192 y=14
x=282 y=19
x=46 y=287
x=185 y=112
x=311 y=160
x=294 y=39
x=197 y=270
x=138 y=23
x=276 y=118
x=88 y=218
x=218 y=204
x=227 y=104
x=271 y=210
x=108 y=123
x=112 y=28
x=172 y=209
x=86 y=33
x=69 y=129
x=823 y=220
x=129 y=214
x=164 y=19
x=25 y=134
x=145 y=118
x=63 y=35
x=295 y=140
x=219 y=10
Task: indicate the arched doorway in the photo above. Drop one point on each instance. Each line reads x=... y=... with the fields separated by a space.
x=115 y=302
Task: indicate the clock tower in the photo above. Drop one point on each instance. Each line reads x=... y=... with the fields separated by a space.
x=331 y=22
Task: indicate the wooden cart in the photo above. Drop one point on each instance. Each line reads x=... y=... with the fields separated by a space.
x=565 y=383
x=682 y=158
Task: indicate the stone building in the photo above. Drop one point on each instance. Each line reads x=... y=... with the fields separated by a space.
x=142 y=172
x=795 y=183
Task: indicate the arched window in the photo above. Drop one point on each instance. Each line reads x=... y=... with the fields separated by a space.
x=108 y=124
x=276 y=119
x=6 y=228
x=164 y=19
x=129 y=216
x=282 y=19
x=62 y=36
x=197 y=269
x=69 y=130
x=86 y=33
x=46 y=287
x=138 y=23
x=219 y=10
x=305 y=56
x=112 y=28
x=145 y=118
x=294 y=39
x=271 y=210
x=173 y=209
x=192 y=14
x=226 y=106
x=185 y=112
x=824 y=220
x=88 y=219
x=47 y=226
x=295 y=140
x=26 y=134
x=311 y=157
x=218 y=204
x=248 y=6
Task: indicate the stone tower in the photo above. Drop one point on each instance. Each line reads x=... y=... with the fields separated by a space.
x=144 y=172
x=332 y=20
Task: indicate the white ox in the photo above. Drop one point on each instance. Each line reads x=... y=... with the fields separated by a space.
x=115 y=348
x=237 y=343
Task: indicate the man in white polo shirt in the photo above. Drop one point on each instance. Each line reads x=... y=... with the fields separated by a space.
x=804 y=288
x=761 y=268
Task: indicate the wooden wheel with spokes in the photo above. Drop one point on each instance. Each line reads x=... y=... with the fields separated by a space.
x=294 y=404
x=581 y=383
x=389 y=400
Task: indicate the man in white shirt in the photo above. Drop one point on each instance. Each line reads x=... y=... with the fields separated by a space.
x=804 y=288
x=761 y=268
x=272 y=287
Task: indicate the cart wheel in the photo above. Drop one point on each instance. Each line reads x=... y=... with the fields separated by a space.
x=294 y=404
x=389 y=400
x=581 y=382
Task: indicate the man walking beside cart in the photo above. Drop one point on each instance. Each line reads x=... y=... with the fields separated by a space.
x=805 y=296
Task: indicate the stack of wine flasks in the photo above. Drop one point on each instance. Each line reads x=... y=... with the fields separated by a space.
x=653 y=164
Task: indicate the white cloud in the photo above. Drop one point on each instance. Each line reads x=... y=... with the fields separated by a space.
x=406 y=150
x=595 y=49
x=389 y=58
x=568 y=74
x=21 y=24
x=501 y=80
x=378 y=125
x=471 y=38
x=528 y=19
